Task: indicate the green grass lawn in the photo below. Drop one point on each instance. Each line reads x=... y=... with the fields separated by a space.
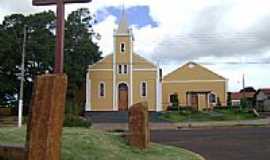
x=218 y=115
x=89 y=144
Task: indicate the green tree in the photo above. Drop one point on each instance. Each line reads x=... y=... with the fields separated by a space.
x=229 y=100
x=39 y=47
x=9 y=40
x=80 y=50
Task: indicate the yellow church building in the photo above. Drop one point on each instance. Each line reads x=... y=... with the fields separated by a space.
x=195 y=86
x=123 y=78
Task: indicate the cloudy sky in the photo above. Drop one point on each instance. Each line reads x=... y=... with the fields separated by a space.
x=230 y=37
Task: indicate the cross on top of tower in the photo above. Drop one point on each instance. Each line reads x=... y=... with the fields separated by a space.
x=123 y=27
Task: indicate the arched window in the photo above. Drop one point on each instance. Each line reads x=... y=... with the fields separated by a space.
x=120 y=69
x=125 y=69
x=143 y=89
x=212 y=98
x=122 y=48
x=174 y=100
x=101 y=90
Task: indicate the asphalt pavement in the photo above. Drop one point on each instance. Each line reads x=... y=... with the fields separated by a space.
x=242 y=143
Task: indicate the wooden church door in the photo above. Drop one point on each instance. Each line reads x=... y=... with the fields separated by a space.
x=123 y=97
x=194 y=101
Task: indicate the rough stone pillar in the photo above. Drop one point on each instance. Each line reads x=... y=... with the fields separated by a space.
x=139 y=132
x=46 y=118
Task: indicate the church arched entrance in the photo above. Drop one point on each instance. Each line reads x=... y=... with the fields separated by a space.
x=122 y=97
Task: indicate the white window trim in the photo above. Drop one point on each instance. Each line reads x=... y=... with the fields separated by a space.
x=125 y=48
x=146 y=91
x=215 y=98
x=101 y=82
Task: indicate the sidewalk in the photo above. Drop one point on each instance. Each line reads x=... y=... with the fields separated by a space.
x=169 y=126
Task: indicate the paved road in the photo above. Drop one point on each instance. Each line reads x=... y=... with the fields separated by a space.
x=220 y=144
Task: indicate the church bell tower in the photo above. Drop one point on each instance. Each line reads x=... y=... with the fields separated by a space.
x=123 y=59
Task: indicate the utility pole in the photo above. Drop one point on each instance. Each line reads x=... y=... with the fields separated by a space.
x=243 y=81
x=244 y=94
x=20 y=110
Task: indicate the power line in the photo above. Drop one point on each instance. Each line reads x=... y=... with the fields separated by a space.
x=234 y=63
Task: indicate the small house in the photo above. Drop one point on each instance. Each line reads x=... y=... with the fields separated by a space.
x=263 y=99
x=247 y=95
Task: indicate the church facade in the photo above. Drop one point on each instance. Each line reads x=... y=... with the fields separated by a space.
x=123 y=78
x=194 y=86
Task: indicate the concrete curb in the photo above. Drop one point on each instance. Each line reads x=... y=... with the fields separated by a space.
x=258 y=122
x=194 y=153
x=199 y=156
x=174 y=126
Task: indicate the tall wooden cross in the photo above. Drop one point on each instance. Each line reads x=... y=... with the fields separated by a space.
x=60 y=28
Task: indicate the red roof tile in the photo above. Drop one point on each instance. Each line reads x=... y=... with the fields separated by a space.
x=265 y=91
x=238 y=95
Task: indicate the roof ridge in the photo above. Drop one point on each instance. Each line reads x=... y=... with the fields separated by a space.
x=145 y=59
x=209 y=70
x=191 y=62
x=99 y=61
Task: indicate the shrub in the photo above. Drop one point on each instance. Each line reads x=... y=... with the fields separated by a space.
x=185 y=110
x=76 y=121
x=73 y=118
x=172 y=108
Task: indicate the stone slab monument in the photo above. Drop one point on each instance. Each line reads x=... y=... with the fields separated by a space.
x=47 y=114
x=43 y=141
x=138 y=126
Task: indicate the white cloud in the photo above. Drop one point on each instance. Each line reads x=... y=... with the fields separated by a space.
x=105 y=28
x=213 y=31
x=25 y=7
